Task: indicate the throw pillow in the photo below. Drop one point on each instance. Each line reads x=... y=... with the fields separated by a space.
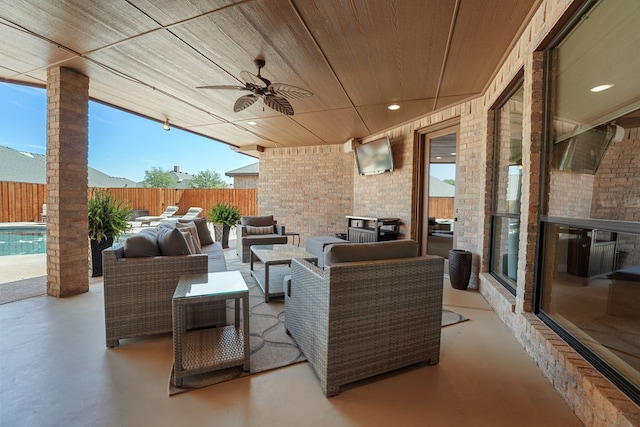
x=204 y=235
x=191 y=228
x=143 y=244
x=172 y=242
x=259 y=230
x=190 y=242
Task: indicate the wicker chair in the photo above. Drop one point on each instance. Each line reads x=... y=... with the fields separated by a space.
x=354 y=320
x=245 y=239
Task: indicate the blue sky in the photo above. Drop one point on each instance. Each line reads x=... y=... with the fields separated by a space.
x=120 y=144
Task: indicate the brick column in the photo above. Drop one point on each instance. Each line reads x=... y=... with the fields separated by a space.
x=67 y=172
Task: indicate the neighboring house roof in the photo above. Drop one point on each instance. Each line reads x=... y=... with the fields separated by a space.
x=181 y=178
x=252 y=169
x=19 y=166
x=438 y=188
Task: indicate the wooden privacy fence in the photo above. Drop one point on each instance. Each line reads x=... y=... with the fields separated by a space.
x=22 y=202
x=441 y=207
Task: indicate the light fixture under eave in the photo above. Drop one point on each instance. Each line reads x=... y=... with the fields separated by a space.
x=393 y=107
x=165 y=125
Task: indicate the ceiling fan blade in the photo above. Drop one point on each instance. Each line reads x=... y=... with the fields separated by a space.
x=251 y=78
x=279 y=104
x=244 y=102
x=289 y=91
x=229 y=87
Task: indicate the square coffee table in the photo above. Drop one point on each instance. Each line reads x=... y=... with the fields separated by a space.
x=270 y=255
x=209 y=349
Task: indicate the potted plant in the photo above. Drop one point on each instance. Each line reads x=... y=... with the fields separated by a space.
x=108 y=219
x=223 y=216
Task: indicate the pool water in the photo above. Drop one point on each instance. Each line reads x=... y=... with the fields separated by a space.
x=27 y=240
x=23 y=240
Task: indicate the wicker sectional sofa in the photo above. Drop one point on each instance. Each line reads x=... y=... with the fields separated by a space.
x=374 y=308
x=138 y=290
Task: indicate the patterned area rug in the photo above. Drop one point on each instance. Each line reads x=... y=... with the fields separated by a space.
x=270 y=346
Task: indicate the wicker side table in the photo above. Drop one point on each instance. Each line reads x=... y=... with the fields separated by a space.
x=210 y=349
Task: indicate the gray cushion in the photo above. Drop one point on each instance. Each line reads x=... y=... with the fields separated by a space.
x=338 y=253
x=191 y=228
x=172 y=242
x=143 y=244
x=263 y=239
x=193 y=249
x=203 y=231
x=215 y=254
x=167 y=224
x=316 y=244
x=257 y=221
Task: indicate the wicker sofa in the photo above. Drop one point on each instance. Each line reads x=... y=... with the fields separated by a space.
x=375 y=307
x=257 y=230
x=138 y=290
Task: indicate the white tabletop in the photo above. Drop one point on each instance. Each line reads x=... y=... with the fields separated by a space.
x=224 y=282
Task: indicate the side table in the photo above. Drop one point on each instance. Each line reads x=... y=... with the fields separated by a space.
x=209 y=349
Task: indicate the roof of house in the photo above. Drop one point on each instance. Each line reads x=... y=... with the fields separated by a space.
x=252 y=169
x=19 y=166
x=438 y=188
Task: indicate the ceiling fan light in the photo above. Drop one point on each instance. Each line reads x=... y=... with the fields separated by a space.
x=393 y=107
x=165 y=125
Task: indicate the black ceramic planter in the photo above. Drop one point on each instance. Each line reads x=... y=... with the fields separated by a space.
x=96 y=254
x=459 y=268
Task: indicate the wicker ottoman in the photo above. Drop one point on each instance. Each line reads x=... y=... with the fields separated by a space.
x=316 y=244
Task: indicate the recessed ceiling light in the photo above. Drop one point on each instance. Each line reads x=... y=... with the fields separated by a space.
x=438 y=157
x=601 y=88
x=252 y=123
x=393 y=107
x=453 y=154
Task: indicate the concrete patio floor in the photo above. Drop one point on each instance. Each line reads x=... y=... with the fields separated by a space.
x=55 y=370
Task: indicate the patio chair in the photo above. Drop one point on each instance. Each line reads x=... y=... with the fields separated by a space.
x=192 y=213
x=171 y=210
x=374 y=308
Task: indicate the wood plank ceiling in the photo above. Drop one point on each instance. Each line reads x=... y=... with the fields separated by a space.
x=356 y=56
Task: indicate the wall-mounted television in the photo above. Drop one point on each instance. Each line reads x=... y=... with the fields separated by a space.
x=374 y=157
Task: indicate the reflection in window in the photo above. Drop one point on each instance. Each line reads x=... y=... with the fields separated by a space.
x=507 y=190
x=591 y=288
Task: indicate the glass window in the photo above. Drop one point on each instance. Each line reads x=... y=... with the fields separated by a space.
x=588 y=288
x=507 y=189
x=591 y=289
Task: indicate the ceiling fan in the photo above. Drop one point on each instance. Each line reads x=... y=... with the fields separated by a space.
x=274 y=94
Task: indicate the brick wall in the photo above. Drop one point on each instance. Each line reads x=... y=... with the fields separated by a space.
x=593 y=398
x=67 y=172
x=308 y=189
x=388 y=195
x=246 y=181
x=616 y=190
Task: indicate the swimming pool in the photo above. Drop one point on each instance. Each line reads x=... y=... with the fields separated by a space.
x=28 y=239
x=23 y=240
